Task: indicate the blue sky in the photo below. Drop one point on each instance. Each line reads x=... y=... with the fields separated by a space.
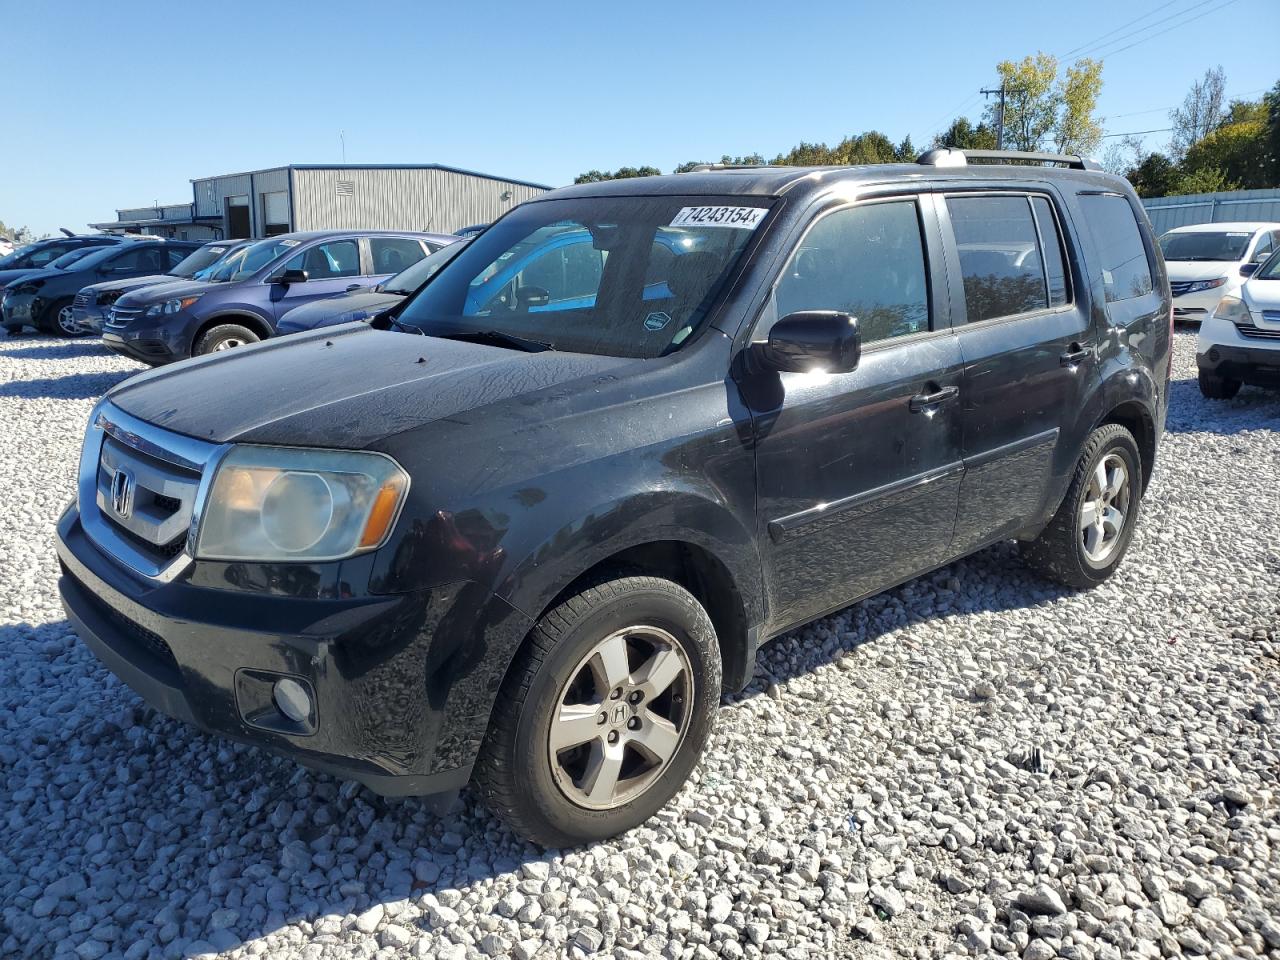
x=121 y=104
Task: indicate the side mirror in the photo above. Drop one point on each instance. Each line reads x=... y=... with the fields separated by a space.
x=812 y=340
x=289 y=277
x=533 y=297
x=1249 y=269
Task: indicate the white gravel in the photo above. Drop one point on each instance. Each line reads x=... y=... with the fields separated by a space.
x=977 y=762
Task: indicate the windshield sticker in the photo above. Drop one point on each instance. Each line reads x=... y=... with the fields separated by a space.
x=740 y=218
x=289 y=243
x=656 y=321
x=1239 y=234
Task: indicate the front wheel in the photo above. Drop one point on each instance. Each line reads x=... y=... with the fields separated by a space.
x=225 y=336
x=59 y=319
x=604 y=714
x=1089 y=535
x=1215 y=387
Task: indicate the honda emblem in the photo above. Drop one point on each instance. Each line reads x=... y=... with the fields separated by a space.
x=122 y=494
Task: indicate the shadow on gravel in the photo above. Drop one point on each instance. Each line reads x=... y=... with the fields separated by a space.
x=60 y=351
x=74 y=386
x=1191 y=412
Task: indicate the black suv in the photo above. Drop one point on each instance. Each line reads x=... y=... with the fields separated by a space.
x=525 y=531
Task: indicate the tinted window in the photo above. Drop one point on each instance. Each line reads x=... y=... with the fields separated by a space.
x=143 y=258
x=38 y=258
x=1263 y=249
x=393 y=254
x=1201 y=244
x=328 y=261
x=867 y=261
x=1125 y=271
x=174 y=256
x=1051 y=245
x=1000 y=259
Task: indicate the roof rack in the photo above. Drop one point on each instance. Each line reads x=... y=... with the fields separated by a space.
x=704 y=167
x=951 y=157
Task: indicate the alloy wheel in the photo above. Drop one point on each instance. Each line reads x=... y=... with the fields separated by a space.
x=228 y=344
x=1104 y=509
x=66 y=321
x=621 y=717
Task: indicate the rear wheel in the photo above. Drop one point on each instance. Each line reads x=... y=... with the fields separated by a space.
x=1217 y=388
x=1089 y=535
x=604 y=713
x=225 y=336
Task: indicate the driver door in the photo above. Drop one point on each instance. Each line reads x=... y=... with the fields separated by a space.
x=332 y=267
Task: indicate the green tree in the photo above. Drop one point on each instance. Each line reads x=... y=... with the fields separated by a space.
x=622 y=173
x=1236 y=151
x=1043 y=109
x=1204 y=180
x=1272 y=100
x=1155 y=176
x=963 y=135
x=1200 y=113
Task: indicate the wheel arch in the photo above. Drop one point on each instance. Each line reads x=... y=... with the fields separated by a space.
x=1135 y=417
x=250 y=320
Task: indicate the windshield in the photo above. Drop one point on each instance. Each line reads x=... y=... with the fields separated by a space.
x=1228 y=245
x=618 y=276
x=192 y=264
x=71 y=256
x=249 y=260
x=407 y=281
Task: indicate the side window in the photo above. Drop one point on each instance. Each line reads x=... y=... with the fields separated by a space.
x=1055 y=264
x=393 y=254
x=173 y=257
x=139 y=258
x=47 y=255
x=328 y=261
x=867 y=261
x=1125 y=271
x=1000 y=260
x=1263 y=249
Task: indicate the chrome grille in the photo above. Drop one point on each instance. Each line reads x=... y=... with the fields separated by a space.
x=1271 y=316
x=1179 y=287
x=82 y=299
x=140 y=490
x=120 y=316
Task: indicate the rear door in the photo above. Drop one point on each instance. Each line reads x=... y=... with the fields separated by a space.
x=332 y=267
x=1029 y=350
x=389 y=255
x=857 y=473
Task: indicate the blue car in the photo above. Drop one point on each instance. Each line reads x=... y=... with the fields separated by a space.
x=249 y=291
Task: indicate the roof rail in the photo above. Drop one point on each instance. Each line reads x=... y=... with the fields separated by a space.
x=704 y=167
x=951 y=157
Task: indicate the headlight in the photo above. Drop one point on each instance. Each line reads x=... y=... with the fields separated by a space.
x=1233 y=309
x=1206 y=285
x=108 y=297
x=293 y=504
x=170 y=306
x=28 y=286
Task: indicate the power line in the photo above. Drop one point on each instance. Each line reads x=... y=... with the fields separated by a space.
x=1160 y=33
x=1135 y=133
x=1116 y=30
x=1138 y=113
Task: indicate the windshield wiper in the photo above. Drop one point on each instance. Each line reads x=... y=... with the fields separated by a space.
x=497 y=338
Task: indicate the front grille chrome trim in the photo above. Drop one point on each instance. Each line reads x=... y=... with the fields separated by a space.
x=185 y=453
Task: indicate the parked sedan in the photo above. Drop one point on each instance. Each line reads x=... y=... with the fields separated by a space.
x=44 y=299
x=41 y=254
x=1206 y=262
x=366 y=304
x=251 y=290
x=94 y=302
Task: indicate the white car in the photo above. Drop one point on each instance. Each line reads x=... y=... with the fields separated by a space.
x=1240 y=341
x=1205 y=261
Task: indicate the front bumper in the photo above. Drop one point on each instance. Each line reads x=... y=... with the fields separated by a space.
x=1223 y=350
x=1197 y=307
x=19 y=309
x=91 y=316
x=198 y=655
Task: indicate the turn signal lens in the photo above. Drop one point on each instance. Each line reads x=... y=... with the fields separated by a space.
x=383 y=513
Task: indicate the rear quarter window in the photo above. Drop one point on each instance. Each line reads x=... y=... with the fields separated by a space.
x=1112 y=226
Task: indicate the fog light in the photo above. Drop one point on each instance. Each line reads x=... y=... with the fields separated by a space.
x=292 y=699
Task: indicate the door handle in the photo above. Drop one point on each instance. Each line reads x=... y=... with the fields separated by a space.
x=927 y=402
x=1078 y=353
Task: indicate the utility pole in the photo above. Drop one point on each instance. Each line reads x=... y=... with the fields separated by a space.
x=999 y=115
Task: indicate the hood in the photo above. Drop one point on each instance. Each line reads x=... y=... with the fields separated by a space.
x=44 y=273
x=8 y=276
x=158 y=293
x=343 y=308
x=345 y=387
x=1262 y=295
x=132 y=283
x=1202 y=269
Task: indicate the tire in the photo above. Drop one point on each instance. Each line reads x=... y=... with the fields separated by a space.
x=57 y=320
x=1217 y=388
x=225 y=336
x=546 y=796
x=1062 y=550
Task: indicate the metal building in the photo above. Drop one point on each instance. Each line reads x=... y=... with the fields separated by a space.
x=260 y=203
x=1238 y=205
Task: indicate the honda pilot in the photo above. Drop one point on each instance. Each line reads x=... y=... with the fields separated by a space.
x=524 y=534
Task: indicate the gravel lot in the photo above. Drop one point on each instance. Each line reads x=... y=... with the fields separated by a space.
x=976 y=762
